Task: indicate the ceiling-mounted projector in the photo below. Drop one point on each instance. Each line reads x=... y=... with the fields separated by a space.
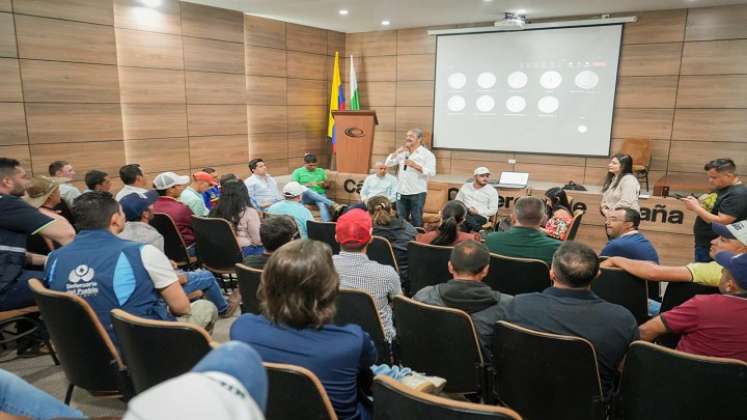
x=512 y=20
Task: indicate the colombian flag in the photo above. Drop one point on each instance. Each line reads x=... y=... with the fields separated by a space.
x=336 y=99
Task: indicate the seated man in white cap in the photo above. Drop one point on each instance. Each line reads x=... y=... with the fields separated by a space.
x=291 y=206
x=480 y=198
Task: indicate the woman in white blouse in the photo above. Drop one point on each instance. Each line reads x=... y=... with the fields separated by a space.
x=621 y=187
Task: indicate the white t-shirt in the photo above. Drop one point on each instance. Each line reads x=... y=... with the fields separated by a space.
x=412 y=181
x=158 y=266
x=485 y=199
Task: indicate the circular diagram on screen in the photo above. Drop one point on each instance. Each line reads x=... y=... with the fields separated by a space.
x=516 y=104
x=486 y=80
x=550 y=79
x=517 y=79
x=485 y=103
x=457 y=80
x=456 y=103
x=548 y=104
x=587 y=79
x=582 y=129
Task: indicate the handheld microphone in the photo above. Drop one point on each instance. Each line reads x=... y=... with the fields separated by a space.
x=407 y=156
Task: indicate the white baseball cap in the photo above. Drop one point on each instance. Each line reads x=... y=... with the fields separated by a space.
x=293 y=189
x=481 y=171
x=166 y=180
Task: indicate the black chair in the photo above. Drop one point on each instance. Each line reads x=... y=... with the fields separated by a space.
x=294 y=393
x=156 y=351
x=676 y=294
x=440 y=341
x=427 y=265
x=381 y=251
x=358 y=307
x=575 y=225
x=661 y=383
x=622 y=288
x=514 y=276
x=217 y=247
x=249 y=279
x=325 y=232
x=546 y=376
x=174 y=246
x=394 y=401
x=89 y=358
x=23 y=327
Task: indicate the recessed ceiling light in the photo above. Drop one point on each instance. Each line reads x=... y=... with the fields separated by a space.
x=385 y=22
x=521 y=12
x=151 y=3
x=488 y=1
x=343 y=12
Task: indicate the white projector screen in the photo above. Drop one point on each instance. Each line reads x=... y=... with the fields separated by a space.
x=536 y=91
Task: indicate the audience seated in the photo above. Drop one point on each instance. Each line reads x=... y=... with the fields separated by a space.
x=525 y=239
x=97 y=181
x=297 y=298
x=43 y=193
x=711 y=325
x=133 y=179
x=263 y=189
x=211 y=196
x=449 y=232
x=469 y=264
x=229 y=383
x=19 y=220
x=316 y=182
x=708 y=274
x=291 y=206
x=192 y=195
x=64 y=172
x=379 y=183
x=21 y=400
x=395 y=229
x=109 y=272
x=559 y=213
x=626 y=241
x=353 y=232
x=235 y=207
x=480 y=198
x=275 y=231
x=569 y=307
x=169 y=187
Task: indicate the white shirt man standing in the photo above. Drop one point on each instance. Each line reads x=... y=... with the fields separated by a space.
x=379 y=183
x=416 y=165
x=480 y=198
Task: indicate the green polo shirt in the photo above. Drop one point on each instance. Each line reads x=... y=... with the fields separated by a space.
x=305 y=177
x=523 y=242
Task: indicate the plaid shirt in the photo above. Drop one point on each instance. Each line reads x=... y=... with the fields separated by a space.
x=380 y=281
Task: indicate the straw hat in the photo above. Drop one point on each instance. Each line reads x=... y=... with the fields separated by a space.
x=40 y=189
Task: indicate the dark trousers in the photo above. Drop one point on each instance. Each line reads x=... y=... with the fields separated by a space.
x=19 y=295
x=410 y=207
x=473 y=222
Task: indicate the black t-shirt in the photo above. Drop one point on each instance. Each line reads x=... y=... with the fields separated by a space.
x=731 y=201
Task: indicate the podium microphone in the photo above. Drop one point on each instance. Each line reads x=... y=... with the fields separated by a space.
x=407 y=156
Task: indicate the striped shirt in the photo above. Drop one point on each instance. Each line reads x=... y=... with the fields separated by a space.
x=380 y=281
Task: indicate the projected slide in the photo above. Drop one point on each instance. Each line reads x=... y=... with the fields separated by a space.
x=536 y=91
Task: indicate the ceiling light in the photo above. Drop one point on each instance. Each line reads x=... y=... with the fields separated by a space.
x=521 y=12
x=385 y=22
x=151 y=3
x=343 y=12
x=487 y=1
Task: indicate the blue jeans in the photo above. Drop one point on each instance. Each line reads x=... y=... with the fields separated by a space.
x=20 y=398
x=654 y=307
x=320 y=200
x=411 y=207
x=703 y=253
x=252 y=250
x=19 y=295
x=205 y=281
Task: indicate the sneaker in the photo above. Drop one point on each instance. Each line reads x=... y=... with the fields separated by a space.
x=423 y=383
x=232 y=307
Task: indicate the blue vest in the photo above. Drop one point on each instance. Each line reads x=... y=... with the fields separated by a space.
x=108 y=273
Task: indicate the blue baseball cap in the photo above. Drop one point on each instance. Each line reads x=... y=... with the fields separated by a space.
x=135 y=204
x=736 y=264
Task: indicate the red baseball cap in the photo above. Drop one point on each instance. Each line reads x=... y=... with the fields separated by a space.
x=354 y=228
x=204 y=176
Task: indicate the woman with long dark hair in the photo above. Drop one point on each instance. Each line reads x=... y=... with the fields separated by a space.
x=449 y=232
x=234 y=206
x=395 y=229
x=561 y=216
x=621 y=186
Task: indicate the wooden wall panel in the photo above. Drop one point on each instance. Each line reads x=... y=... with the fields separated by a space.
x=53 y=81
x=354 y=44
x=385 y=115
x=377 y=94
x=646 y=92
x=93 y=11
x=305 y=39
x=710 y=23
x=265 y=62
x=215 y=88
x=19 y=152
x=107 y=156
x=710 y=124
x=307 y=66
x=712 y=92
x=715 y=57
x=269 y=147
x=159 y=155
x=218 y=150
x=650 y=123
x=12 y=124
x=213 y=56
x=266 y=90
x=374 y=69
x=151 y=86
x=146 y=121
x=689 y=156
x=61 y=123
x=650 y=59
x=335 y=43
x=414 y=93
x=412 y=117
x=7 y=36
x=307 y=92
x=211 y=22
x=416 y=67
x=65 y=41
x=164 y=18
x=415 y=41
x=10 y=81
x=261 y=32
x=379 y=43
x=656 y=26
x=311 y=120
x=266 y=119
x=206 y=120
x=149 y=49
x=6 y=6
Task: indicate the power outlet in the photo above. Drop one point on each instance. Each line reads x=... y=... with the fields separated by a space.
x=512 y=161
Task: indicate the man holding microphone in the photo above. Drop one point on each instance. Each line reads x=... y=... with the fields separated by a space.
x=416 y=165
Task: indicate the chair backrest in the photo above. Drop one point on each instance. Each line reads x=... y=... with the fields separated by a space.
x=358 y=307
x=622 y=288
x=216 y=243
x=513 y=276
x=427 y=265
x=174 y=246
x=575 y=225
x=86 y=352
x=439 y=341
x=661 y=383
x=639 y=149
x=381 y=251
x=325 y=232
x=394 y=401
x=156 y=351
x=249 y=279
x=676 y=294
x=541 y=375
x=295 y=392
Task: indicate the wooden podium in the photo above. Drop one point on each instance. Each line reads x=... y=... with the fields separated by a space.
x=354 y=133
